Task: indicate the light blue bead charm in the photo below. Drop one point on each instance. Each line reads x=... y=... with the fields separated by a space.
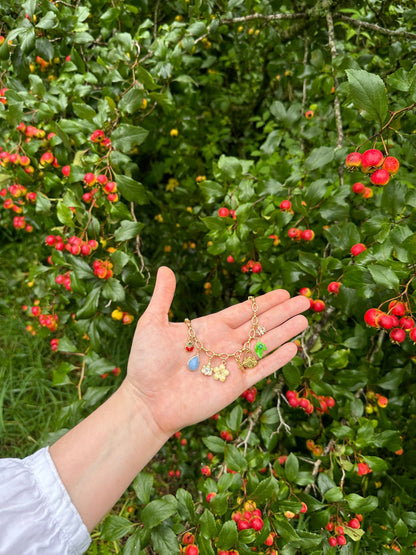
x=193 y=363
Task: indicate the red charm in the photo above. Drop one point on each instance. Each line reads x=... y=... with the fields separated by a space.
x=189 y=346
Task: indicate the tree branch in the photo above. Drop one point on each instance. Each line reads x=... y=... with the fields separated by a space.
x=375 y=27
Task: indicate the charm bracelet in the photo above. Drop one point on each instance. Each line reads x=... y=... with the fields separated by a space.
x=244 y=357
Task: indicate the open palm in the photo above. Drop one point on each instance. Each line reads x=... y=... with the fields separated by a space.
x=157 y=369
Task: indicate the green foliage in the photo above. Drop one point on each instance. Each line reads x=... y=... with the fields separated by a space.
x=179 y=109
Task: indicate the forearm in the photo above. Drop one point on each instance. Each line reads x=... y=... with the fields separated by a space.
x=100 y=457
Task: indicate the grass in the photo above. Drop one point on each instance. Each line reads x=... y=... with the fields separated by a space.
x=31 y=409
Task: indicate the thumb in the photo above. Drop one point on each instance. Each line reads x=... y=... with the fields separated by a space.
x=163 y=293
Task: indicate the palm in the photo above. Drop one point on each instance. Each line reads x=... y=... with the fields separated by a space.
x=158 y=369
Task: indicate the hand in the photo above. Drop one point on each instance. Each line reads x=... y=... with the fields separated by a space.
x=157 y=370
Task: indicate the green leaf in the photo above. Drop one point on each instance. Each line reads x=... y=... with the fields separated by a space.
x=219 y=503
x=132 y=101
x=393 y=198
x=266 y=490
x=214 y=444
x=334 y=495
x=131 y=190
x=400 y=529
x=234 y=418
x=113 y=290
x=146 y=78
x=65 y=345
x=186 y=507
x=142 y=486
x=127 y=230
x=207 y=525
x=90 y=304
x=228 y=535
x=48 y=21
x=65 y=214
x=319 y=157
x=360 y=504
x=368 y=93
x=133 y=544
x=158 y=510
x=383 y=275
x=83 y=111
x=234 y=459
x=285 y=529
x=126 y=137
x=81 y=268
x=165 y=541
x=115 y=527
x=316 y=192
x=291 y=468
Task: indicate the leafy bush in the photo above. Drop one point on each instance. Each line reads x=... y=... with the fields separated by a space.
x=137 y=135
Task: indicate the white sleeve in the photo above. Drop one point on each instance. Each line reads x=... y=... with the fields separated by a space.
x=36 y=512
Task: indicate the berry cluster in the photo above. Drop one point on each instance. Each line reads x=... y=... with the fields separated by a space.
x=224 y=212
x=122 y=316
x=103 y=269
x=250 y=394
x=375 y=401
x=398 y=320
x=251 y=266
x=317 y=305
x=372 y=162
x=226 y=435
x=49 y=321
x=322 y=403
x=3 y=99
x=75 y=245
x=249 y=517
x=337 y=527
x=116 y=371
x=54 y=344
x=65 y=280
x=297 y=234
x=109 y=188
x=98 y=136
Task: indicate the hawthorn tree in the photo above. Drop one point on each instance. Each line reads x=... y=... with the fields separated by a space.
x=249 y=146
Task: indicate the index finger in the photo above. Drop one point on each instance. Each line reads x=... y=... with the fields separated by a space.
x=237 y=315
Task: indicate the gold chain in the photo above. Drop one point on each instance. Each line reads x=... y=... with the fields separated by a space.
x=244 y=357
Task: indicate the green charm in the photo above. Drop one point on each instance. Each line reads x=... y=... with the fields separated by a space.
x=259 y=348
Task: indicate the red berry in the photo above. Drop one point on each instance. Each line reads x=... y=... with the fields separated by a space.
x=333 y=287
x=397 y=335
x=257 y=268
x=230 y=258
x=191 y=550
x=332 y=541
x=385 y=321
x=223 y=212
x=66 y=170
x=354 y=523
x=318 y=306
x=363 y=468
x=371 y=317
x=412 y=335
x=341 y=540
x=285 y=205
x=243 y=524
x=406 y=323
x=305 y=291
x=256 y=523
x=368 y=192
x=397 y=308
x=391 y=164
x=206 y=471
x=371 y=158
x=210 y=496
x=357 y=249
x=380 y=177
x=294 y=233
x=308 y=235
x=358 y=188
x=353 y=160
x=188 y=538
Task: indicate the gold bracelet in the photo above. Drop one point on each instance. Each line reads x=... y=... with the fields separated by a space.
x=244 y=357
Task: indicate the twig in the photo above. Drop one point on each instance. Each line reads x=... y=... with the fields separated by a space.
x=138 y=251
x=272 y=17
x=375 y=27
x=252 y=421
x=318 y=463
x=337 y=104
x=282 y=421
